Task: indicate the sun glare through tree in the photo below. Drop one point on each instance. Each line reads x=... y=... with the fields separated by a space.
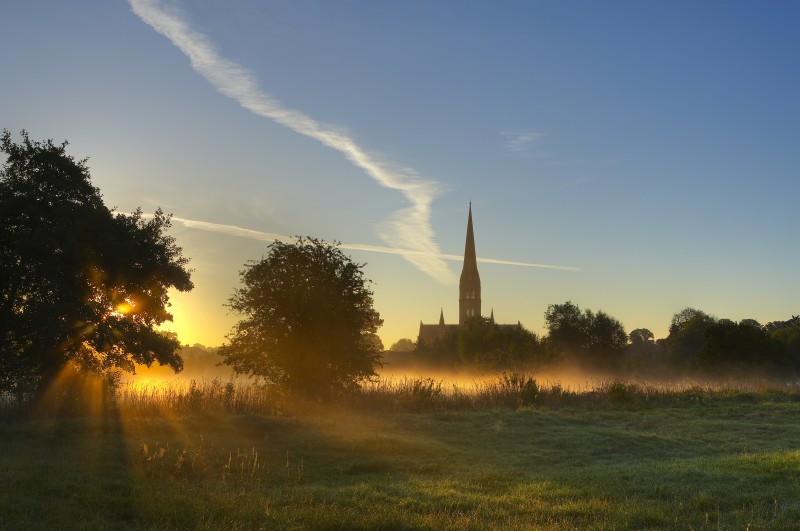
x=83 y=286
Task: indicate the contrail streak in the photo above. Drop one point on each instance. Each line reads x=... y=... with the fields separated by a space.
x=409 y=228
x=234 y=230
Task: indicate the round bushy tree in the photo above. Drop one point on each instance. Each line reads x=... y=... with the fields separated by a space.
x=308 y=323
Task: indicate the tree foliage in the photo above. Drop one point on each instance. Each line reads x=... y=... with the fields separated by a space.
x=775 y=326
x=595 y=340
x=483 y=343
x=788 y=337
x=566 y=326
x=739 y=348
x=687 y=335
x=402 y=345
x=80 y=283
x=644 y=356
x=641 y=336
x=308 y=320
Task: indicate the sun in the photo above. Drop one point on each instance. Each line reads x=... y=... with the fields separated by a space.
x=125 y=308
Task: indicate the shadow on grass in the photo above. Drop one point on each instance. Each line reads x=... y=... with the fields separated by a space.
x=719 y=464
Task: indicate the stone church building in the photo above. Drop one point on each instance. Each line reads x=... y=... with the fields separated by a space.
x=469 y=298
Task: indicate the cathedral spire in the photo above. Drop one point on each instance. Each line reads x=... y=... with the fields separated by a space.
x=470 y=258
x=470 y=286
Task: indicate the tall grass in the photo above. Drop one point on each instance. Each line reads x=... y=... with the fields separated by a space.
x=509 y=390
x=198 y=397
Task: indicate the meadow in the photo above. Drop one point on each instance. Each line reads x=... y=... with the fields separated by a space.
x=408 y=453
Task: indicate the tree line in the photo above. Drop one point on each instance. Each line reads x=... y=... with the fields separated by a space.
x=697 y=344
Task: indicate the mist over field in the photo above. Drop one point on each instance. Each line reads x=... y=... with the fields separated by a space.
x=199 y=363
x=203 y=365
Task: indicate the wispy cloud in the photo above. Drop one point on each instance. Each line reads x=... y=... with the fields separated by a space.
x=408 y=228
x=233 y=230
x=522 y=142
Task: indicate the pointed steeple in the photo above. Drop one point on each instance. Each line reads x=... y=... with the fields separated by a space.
x=441 y=317
x=470 y=258
x=470 y=286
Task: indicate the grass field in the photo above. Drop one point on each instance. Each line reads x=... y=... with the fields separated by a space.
x=621 y=458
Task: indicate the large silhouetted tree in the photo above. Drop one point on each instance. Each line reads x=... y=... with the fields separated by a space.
x=308 y=321
x=80 y=284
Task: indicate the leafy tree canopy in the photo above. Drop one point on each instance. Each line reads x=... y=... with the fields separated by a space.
x=402 y=345
x=481 y=342
x=644 y=355
x=641 y=336
x=774 y=326
x=739 y=347
x=687 y=335
x=596 y=340
x=308 y=320
x=80 y=283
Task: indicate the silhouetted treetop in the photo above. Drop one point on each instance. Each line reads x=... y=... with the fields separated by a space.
x=80 y=283
x=641 y=336
x=595 y=340
x=402 y=345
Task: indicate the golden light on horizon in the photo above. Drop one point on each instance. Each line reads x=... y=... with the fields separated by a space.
x=193 y=325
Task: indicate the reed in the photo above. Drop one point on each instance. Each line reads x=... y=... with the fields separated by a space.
x=508 y=390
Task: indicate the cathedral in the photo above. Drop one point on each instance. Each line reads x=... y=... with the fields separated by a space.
x=469 y=299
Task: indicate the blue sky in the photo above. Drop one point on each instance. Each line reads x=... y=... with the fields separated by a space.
x=652 y=146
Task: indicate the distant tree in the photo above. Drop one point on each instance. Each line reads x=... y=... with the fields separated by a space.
x=566 y=326
x=442 y=352
x=681 y=319
x=788 y=337
x=787 y=334
x=606 y=340
x=81 y=285
x=777 y=325
x=595 y=340
x=483 y=343
x=402 y=345
x=643 y=354
x=641 y=336
x=740 y=348
x=687 y=335
x=751 y=322
x=308 y=320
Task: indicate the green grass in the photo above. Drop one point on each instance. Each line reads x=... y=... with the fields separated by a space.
x=620 y=458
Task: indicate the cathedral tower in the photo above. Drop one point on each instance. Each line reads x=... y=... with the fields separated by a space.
x=469 y=301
